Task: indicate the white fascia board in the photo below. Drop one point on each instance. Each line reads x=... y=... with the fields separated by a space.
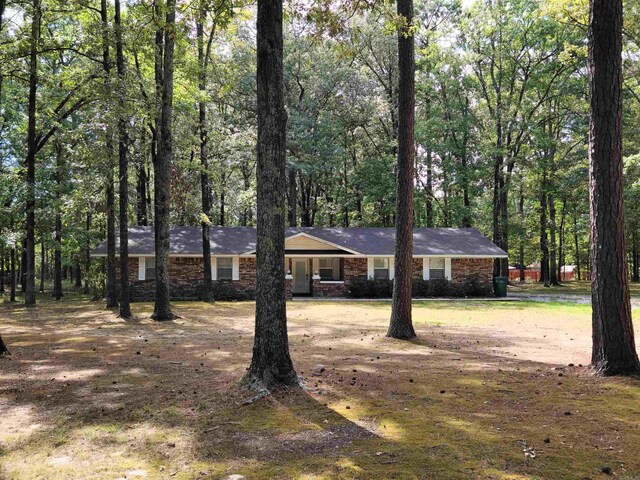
x=321 y=240
x=447 y=255
x=291 y=255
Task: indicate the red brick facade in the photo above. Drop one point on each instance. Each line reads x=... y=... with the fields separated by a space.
x=465 y=268
x=186 y=283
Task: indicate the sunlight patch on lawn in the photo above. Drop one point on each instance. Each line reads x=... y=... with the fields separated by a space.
x=474 y=431
x=106 y=450
x=390 y=430
x=348 y=464
x=500 y=475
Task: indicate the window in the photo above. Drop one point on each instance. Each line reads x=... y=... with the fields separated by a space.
x=381 y=268
x=150 y=268
x=329 y=268
x=436 y=268
x=225 y=268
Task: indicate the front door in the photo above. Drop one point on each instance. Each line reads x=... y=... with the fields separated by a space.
x=300 y=276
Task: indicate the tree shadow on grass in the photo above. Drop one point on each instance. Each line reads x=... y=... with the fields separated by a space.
x=96 y=397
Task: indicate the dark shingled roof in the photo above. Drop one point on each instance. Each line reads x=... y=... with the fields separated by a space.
x=361 y=240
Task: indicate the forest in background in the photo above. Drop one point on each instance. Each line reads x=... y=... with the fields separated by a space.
x=501 y=121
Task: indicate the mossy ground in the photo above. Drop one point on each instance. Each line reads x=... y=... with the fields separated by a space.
x=486 y=392
x=581 y=287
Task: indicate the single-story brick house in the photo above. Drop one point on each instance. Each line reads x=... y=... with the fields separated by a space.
x=319 y=261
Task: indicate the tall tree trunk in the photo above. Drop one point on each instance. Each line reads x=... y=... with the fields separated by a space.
x=87 y=255
x=162 y=174
x=3 y=348
x=111 y=293
x=205 y=185
x=635 y=257
x=576 y=244
x=522 y=236
x=21 y=267
x=57 y=256
x=221 y=218
x=293 y=198
x=553 y=258
x=467 y=221
x=123 y=171
x=247 y=215
x=78 y=274
x=12 y=275
x=544 y=242
x=497 y=188
x=271 y=363
x=43 y=264
x=345 y=177
x=401 y=324
x=3 y=265
x=561 y=241
x=30 y=287
x=141 y=192
x=504 y=227
x=614 y=349
x=428 y=194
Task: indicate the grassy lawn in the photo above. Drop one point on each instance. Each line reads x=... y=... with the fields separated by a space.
x=489 y=391
x=567 y=288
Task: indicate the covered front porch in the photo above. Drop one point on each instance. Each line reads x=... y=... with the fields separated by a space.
x=315 y=276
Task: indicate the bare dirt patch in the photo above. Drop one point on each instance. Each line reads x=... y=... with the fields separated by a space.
x=488 y=391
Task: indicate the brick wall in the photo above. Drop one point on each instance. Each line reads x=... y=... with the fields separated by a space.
x=185 y=277
x=417 y=267
x=132 y=262
x=464 y=268
x=354 y=267
x=329 y=289
x=186 y=281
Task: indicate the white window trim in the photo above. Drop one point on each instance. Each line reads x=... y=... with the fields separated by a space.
x=335 y=267
x=142 y=268
x=371 y=267
x=235 y=268
x=426 y=267
x=235 y=272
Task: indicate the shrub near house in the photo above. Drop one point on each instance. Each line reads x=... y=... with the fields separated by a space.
x=319 y=262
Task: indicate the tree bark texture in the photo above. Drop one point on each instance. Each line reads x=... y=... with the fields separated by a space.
x=428 y=194
x=141 y=194
x=614 y=350
x=43 y=264
x=635 y=258
x=3 y=271
x=271 y=363
x=162 y=176
x=57 y=248
x=30 y=202
x=553 y=252
x=3 y=348
x=205 y=184
x=111 y=287
x=123 y=171
x=87 y=254
x=12 y=275
x=401 y=324
x=544 y=239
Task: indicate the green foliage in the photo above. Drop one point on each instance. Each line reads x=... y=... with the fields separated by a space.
x=493 y=79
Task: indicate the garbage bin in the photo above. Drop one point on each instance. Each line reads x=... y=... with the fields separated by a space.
x=500 y=286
